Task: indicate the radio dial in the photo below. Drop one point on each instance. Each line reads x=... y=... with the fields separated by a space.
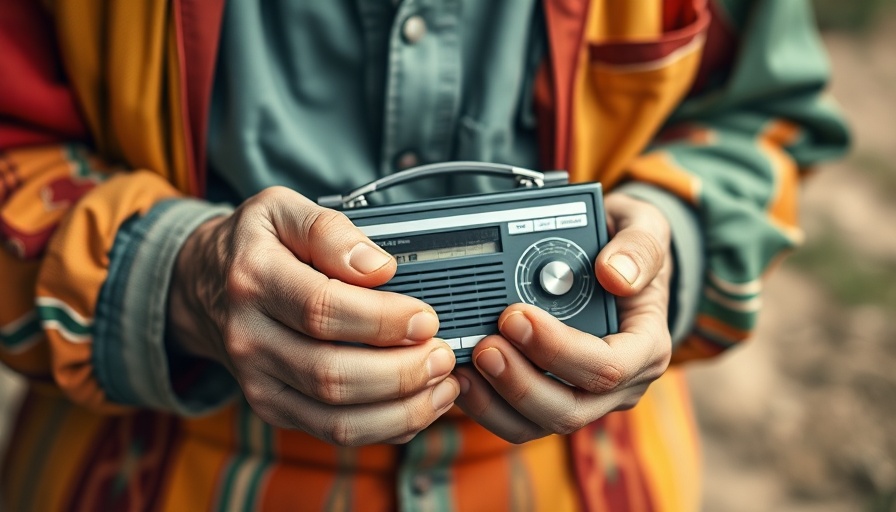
x=556 y=278
x=555 y=274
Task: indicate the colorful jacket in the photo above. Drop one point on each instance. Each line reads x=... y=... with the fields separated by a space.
x=102 y=115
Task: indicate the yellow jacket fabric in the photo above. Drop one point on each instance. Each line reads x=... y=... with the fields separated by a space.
x=684 y=95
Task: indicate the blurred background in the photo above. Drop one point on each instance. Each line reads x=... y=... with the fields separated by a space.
x=803 y=417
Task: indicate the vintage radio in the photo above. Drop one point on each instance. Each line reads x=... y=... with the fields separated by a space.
x=469 y=257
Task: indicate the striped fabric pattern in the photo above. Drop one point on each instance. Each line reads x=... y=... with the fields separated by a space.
x=736 y=165
x=67 y=458
x=21 y=333
x=59 y=316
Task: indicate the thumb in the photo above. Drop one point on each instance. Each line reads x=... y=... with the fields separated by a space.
x=327 y=240
x=638 y=250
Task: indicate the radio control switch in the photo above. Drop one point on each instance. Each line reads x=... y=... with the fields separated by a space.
x=520 y=226
x=454 y=343
x=556 y=278
x=471 y=341
x=572 y=221
x=545 y=224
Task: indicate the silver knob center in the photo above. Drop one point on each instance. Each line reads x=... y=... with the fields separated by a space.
x=556 y=278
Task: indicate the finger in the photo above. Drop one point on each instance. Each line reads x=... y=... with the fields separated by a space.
x=543 y=400
x=352 y=425
x=485 y=406
x=554 y=406
x=324 y=238
x=637 y=252
x=599 y=365
x=264 y=270
x=341 y=374
x=328 y=309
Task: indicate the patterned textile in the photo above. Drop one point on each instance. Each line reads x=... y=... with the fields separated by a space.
x=78 y=460
x=640 y=90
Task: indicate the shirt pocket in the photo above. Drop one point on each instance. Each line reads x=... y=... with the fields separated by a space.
x=630 y=87
x=654 y=58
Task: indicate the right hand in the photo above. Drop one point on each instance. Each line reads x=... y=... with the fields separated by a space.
x=270 y=291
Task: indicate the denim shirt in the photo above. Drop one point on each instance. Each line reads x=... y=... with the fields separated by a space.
x=325 y=96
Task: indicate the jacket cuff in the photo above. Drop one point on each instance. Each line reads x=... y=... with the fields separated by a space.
x=687 y=255
x=129 y=350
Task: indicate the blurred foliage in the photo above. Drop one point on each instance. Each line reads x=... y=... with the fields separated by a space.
x=885 y=502
x=879 y=168
x=851 y=15
x=850 y=279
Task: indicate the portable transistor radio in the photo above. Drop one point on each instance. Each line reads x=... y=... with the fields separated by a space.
x=469 y=257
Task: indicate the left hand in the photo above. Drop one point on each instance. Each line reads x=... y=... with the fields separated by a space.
x=510 y=394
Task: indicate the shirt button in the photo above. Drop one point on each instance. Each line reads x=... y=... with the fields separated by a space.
x=421 y=484
x=414 y=29
x=407 y=160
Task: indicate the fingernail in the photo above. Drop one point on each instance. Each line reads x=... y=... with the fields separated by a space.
x=625 y=266
x=440 y=362
x=444 y=393
x=464 y=384
x=366 y=258
x=517 y=328
x=423 y=326
x=491 y=361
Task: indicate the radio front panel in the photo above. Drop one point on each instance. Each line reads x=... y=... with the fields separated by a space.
x=471 y=257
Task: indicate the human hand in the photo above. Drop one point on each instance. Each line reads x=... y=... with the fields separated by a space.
x=272 y=290
x=511 y=395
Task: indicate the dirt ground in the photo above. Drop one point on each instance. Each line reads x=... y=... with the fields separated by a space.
x=803 y=417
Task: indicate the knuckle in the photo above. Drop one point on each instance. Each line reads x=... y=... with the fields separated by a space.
x=383 y=327
x=239 y=350
x=253 y=210
x=265 y=207
x=478 y=408
x=417 y=416
x=239 y=347
x=631 y=399
x=569 y=422
x=240 y=282
x=650 y=248
x=549 y=353
x=476 y=405
x=328 y=383
x=342 y=431
x=250 y=208
x=657 y=310
x=404 y=383
x=654 y=372
x=317 y=313
x=275 y=194
x=323 y=222
x=410 y=379
x=256 y=394
x=243 y=273
x=605 y=378
x=518 y=393
x=657 y=361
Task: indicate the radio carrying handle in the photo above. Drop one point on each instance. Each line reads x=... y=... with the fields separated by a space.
x=524 y=178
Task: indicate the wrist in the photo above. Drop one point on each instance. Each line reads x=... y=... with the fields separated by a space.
x=191 y=294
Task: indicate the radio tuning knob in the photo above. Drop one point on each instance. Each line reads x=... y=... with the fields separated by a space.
x=556 y=278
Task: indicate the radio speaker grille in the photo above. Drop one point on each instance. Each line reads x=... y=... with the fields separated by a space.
x=463 y=297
